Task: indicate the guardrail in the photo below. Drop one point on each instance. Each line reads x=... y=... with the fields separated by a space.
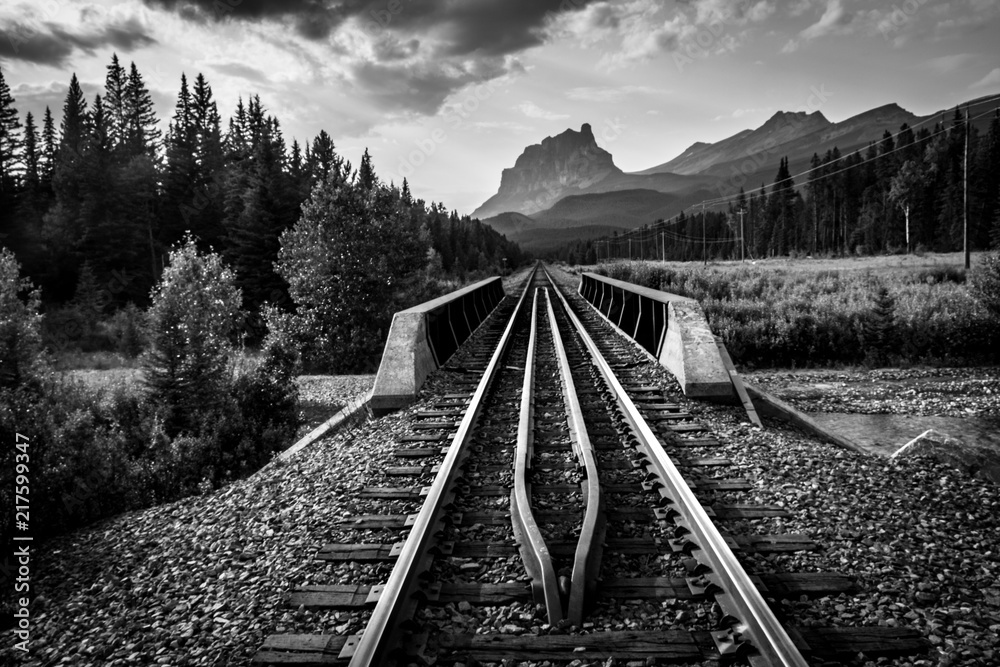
x=670 y=327
x=422 y=338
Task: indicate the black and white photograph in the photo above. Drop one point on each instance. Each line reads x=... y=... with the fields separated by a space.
x=482 y=333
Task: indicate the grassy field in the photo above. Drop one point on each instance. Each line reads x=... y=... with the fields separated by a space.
x=873 y=311
x=881 y=264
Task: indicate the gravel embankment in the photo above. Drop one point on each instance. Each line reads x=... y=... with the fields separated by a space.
x=921 y=539
x=321 y=396
x=200 y=581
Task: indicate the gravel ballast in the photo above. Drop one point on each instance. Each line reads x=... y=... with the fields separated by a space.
x=202 y=581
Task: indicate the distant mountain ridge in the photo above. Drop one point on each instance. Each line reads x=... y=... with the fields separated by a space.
x=569 y=183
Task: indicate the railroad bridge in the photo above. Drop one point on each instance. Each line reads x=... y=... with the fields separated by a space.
x=568 y=458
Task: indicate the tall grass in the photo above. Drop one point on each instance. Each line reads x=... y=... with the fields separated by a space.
x=787 y=318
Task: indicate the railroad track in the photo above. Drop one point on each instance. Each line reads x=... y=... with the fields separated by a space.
x=557 y=482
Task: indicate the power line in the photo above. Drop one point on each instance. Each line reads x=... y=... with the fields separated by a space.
x=712 y=203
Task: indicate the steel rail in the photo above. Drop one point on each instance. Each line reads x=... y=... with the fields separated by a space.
x=531 y=542
x=590 y=545
x=755 y=619
x=379 y=637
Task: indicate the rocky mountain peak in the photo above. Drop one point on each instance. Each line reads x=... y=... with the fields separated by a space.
x=546 y=172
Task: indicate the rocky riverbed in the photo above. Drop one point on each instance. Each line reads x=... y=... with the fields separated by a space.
x=882 y=409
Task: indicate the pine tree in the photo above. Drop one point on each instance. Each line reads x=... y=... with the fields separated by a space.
x=73 y=127
x=32 y=200
x=62 y=226
x=102 y=243
x=32 y=170
x=10 y=145
x=254 y=219
x=781 y=212
x=116 y=102
x=142 y=137
x=880 y=339
x=48 y=156
x=209 y=158
x=323 y=157
x=366 y=174
x=179 y=205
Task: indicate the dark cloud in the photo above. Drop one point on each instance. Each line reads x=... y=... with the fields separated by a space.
x=419 y=87
x=50 y=44
x=488 y=27
x=422 y=51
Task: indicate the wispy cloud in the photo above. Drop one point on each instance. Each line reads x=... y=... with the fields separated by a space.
x=836 y=19
x=950 y=63
x=638 y=31
x=609 y=93
x=532 y=110
x=989 y=81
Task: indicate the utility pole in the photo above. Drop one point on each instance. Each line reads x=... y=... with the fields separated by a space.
x=965 y=195
x=742 y=242
x=630 y=248
x=663 y=244
x=704 y=241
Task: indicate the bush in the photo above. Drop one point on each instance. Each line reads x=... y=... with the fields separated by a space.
x=98 y=452
x=986 y=283
x=20 y=325
x=773 y=318
x=127 y=330
x=192 y=318
x=350 y=262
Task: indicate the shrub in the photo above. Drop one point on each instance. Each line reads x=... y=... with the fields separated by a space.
x=192 y=318
x=127 y=329
x=349 y=262
x=20 y=324
x=98 y=452
x=776 y=318
x=986 y=283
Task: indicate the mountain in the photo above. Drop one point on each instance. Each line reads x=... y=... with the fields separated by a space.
x=546 y=172
x=781 y=128
x=569 y=188
x=619 y=208
x=793 y=135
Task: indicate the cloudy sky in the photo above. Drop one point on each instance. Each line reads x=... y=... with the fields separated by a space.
x=449 y=92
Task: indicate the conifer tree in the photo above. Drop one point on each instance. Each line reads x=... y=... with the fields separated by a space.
x=142 y=137
x=10 y=144
x=10 y=147
x=115 y=100
x=48 y=150
x=180 y=171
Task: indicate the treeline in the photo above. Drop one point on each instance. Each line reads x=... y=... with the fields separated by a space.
x=903 y=193
x=105 y=195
